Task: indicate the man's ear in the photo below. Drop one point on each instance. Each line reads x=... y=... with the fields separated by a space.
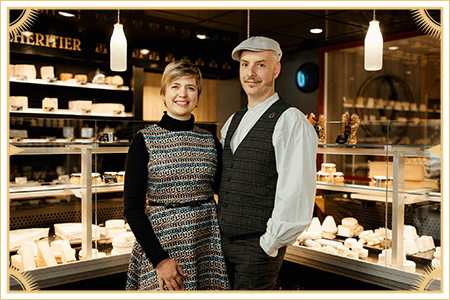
x=277 y=70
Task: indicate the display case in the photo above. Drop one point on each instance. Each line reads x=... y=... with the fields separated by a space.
x=384 y=206
x=70 y=188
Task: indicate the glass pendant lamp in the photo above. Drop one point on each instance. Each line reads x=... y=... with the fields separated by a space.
x=373 y=47
x=118 y=48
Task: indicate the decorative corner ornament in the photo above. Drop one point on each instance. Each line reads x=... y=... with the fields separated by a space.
x=427 y=23
x=23 y=22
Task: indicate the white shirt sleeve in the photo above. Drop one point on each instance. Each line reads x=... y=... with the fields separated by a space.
x=295 y=142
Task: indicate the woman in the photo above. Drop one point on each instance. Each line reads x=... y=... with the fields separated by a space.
x=168 y=195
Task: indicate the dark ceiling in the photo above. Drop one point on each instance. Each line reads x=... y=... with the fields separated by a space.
x=289 y=27
x=173 y=32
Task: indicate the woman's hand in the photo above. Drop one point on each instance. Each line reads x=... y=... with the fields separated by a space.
x=169 y=272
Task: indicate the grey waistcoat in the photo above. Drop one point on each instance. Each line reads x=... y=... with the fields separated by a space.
x=249 y=178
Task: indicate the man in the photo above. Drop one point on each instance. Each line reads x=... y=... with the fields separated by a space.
x=268 y=182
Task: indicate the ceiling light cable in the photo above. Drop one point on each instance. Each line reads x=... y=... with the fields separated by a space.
x=248 y=23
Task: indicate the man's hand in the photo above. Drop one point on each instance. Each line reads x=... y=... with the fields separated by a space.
x=169 y=272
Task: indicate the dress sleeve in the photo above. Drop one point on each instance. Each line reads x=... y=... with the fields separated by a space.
x=295 y=143
x=134 y=198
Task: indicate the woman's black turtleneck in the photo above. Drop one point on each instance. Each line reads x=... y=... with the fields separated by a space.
x=135 y=188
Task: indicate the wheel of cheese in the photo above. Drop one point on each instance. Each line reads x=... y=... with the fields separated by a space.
x=65 y=76
x=409 y=266
x=81 y=77
x=350 y=242
x=349 y=222
x=47 y=72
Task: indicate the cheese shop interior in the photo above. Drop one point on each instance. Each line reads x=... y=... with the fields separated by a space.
x=71 y=115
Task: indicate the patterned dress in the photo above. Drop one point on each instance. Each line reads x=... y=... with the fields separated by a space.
x=181 y=169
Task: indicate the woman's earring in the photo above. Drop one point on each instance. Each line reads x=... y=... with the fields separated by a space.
x=164 y=101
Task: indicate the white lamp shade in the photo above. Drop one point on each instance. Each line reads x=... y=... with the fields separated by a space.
x=118 y=49
x=373 y=47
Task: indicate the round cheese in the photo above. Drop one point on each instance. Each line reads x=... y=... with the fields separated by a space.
x=65 y=76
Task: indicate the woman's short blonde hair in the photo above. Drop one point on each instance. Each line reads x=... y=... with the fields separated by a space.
x=181 y=68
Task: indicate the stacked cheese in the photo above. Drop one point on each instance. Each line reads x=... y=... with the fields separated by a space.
x=50 y=104
x=73 y=232
x=95 y=254
x=349 y=227
x=385 y=258
x=412 y=243
x=19 y=237
x=47 y=72
x=380 y=236
x=18 y=102
x=114 y=228
x=62 y=251
x=80 y=105
x=111 y=108
x=25 y=72
x=414 y=174
x=123 y=243
x=33 y=255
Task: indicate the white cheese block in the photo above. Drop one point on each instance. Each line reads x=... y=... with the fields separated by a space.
x=16 y=262
x=385 y=233
x=27 y=255
x=329 y=249
x=18 y=102
x=47 y=72
x=312 y=244
x=357 y=247
x=421 y=244
x=353 y=255
x=334 y=244
x=56 y=246
x=315 y=226
x=344 y=231
x=364 y=253
x=117 y=80
x=115 y=224
x=129 y=236
x=80 y=105
x=50 y=104
x=67 y=253
x=73 y=231
x=112 y=108
x=328 y=235
x=309 y=235
x=12 y=70
x=409 y=266
x=20 y=236
x=45 y=255
x=349 y=222
x=349 y=242
x=342 y=250
x=95 y=254
x=437 y=253
x=428 y=241
x=409 y=246
x=409 y=232
x=28 y=71
x=365 y=233
x=329 y=225
x=413 y=171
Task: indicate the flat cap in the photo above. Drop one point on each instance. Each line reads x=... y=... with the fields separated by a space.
x=257 y=43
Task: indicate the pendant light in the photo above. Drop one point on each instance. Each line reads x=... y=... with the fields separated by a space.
x=373 y=47
x=118 y=47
